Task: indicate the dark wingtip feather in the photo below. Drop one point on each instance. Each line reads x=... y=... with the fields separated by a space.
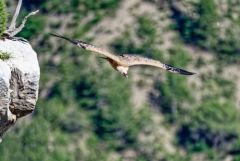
x=184 y=72
x=178 y=70
x=66 y=38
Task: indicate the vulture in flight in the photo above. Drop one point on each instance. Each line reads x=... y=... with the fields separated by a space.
x=121 y=63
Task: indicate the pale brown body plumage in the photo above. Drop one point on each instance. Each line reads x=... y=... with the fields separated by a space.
x=121 y=63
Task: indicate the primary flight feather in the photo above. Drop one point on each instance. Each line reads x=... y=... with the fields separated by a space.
x=121 y=63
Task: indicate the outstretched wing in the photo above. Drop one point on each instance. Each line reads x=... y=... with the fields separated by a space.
x=89 y=47
x=132 y=60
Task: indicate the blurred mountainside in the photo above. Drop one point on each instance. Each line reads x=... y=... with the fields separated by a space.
x=86 y=111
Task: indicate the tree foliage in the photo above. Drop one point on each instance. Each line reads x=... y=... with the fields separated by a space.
x=3 y=17
x=202 y=30
x=212 y=123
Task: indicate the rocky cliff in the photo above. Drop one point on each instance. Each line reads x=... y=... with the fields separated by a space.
x=19 y=81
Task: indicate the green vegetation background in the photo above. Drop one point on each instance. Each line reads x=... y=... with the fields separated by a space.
x=3 y=17
x=87 y=114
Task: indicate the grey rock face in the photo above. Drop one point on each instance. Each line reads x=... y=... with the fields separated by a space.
x=19 y=82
